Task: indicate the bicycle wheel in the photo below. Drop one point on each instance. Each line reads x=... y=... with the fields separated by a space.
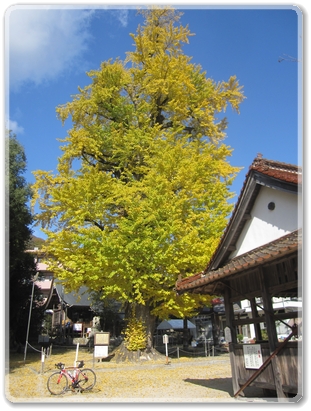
x=87 y=379
x=57 y=383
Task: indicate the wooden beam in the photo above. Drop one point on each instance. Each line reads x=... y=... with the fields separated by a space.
x=231 y=248
x=292 y=285
x=262 y=319
x=265 y=385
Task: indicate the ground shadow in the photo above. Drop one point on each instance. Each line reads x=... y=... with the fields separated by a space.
x=225 y=385
x=106 y=359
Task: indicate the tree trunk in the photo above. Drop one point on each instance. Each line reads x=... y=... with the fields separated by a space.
x=122 y=354
x=142 y=312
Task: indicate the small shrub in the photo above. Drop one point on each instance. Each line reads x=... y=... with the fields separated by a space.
x=135 y=335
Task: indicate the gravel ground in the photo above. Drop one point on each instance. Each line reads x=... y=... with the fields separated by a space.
x=195 y=380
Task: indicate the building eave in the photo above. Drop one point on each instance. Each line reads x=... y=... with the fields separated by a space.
x=206 y=282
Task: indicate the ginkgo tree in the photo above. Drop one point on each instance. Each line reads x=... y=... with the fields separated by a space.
x=142 y=187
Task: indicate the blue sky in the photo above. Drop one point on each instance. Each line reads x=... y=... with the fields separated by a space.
x=48 y=51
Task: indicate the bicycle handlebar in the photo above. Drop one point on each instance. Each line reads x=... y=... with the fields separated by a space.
x=61 y=365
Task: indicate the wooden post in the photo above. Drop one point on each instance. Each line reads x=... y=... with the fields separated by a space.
x=230 y=314
x=234 y=373
x=255 y=315
x=272 y=334
x=230 y=317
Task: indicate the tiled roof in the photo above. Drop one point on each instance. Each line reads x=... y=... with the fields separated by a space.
x=266 y=253
x=282 y=171
x=79 y=298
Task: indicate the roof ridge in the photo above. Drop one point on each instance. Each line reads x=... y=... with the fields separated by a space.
x=266 y=163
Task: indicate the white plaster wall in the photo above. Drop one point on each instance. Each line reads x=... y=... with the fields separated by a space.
x=267 y=225
x=42 y=267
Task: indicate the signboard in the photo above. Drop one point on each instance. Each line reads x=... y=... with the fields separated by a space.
x=252 y=356
x=101 y=338
x=101 y=345
x=77 y=327
x=43 y=339
x=101 y=351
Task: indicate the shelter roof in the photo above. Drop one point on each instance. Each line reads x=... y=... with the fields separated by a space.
x=174 y=324
x=78 y=298
x=267 y=253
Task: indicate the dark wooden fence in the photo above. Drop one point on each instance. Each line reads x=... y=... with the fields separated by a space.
x=289 y=361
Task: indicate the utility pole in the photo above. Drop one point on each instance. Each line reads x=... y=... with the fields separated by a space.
x=29 y=318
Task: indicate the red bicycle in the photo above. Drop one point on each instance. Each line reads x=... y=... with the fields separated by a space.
x=71 y=378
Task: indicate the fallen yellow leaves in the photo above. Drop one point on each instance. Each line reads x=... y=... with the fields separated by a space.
x=182 y=380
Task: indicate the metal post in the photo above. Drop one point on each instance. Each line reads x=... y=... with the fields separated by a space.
x=76 y=358
x=29 y=317
x=165 y=341
x=42 y=360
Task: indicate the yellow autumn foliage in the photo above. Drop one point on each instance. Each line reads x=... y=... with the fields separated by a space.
x=135 y=334
x=142 y=190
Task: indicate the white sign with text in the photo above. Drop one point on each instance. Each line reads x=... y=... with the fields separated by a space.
x=101 y=351
x=252 y=356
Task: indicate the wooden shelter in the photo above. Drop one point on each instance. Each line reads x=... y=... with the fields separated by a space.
x=260 y=271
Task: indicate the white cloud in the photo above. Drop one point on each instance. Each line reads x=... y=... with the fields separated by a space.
x=45 y=42
x=122 y=16
x=16 y=129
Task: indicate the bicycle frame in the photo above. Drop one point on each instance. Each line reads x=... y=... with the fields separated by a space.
x=72 y=373
x=76 y=378
x=66 y=372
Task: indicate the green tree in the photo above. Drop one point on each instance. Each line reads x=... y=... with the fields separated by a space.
x=18 y=233
x=142 y=188
x=35 y=242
